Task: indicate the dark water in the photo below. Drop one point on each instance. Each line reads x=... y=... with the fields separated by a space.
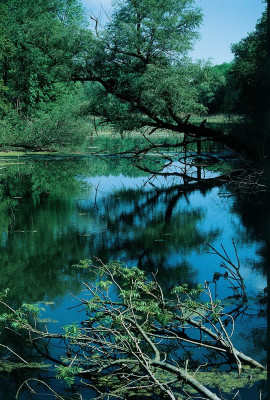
x=54 y=213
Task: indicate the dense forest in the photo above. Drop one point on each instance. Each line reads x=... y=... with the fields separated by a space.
x=58 y=72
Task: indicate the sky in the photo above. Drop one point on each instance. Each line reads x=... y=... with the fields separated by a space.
x=225 y=22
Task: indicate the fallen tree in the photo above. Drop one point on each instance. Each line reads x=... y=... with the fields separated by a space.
x=134 y=339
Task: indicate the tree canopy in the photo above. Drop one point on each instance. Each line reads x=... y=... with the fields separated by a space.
x=38 y=43
x=217 y=92
x=39 y=103
x=139 y=64
x=251 y=79
x=249 y=70
x=139 y=72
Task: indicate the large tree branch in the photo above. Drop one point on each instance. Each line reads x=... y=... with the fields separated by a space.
x=184 y=376
x=196 y=131
x=244 y=358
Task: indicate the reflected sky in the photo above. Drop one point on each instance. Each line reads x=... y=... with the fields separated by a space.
x=55 y=213
x=80 y=213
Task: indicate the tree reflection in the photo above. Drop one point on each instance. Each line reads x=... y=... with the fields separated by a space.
x=45 y=228
x=154 y=229
x=50 y=218
x=255 y=217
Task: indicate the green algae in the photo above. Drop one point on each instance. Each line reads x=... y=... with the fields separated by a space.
x=9 y=366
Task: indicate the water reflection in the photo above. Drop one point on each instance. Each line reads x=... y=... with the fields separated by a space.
x=52 y=216
x=147 y=227
x=54 y=213
x=57 y=212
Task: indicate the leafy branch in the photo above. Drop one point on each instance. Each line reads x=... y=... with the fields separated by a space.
x=133 y=334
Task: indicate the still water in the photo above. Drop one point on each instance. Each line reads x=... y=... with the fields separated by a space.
x=55 y=212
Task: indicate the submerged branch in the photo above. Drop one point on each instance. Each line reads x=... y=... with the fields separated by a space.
x=133 y=330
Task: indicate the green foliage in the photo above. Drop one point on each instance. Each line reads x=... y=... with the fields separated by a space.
x=240 y=86
x=168 y=26
x=186 y=290
x=7 y=51
x=195 y=304
x=132 y=330
x=139 y=65
x=67 y=373
x=83 y=264
x=217 y=92
x=136 y=291
x=39 y=41
x=251 y=81
x=71 y=330
x=249 y=70
x=229 y=382
x=176 y=87
x=60 y=125
x=19 y=318
x=38 y=44
x=11 y=367
x=34 y=309
x=4 y=293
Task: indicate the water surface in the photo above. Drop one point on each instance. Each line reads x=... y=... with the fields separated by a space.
x=55 y=212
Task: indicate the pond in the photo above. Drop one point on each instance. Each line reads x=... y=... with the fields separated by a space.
x=55 y=211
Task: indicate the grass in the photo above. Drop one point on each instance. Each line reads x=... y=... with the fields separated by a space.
x=105 y=138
